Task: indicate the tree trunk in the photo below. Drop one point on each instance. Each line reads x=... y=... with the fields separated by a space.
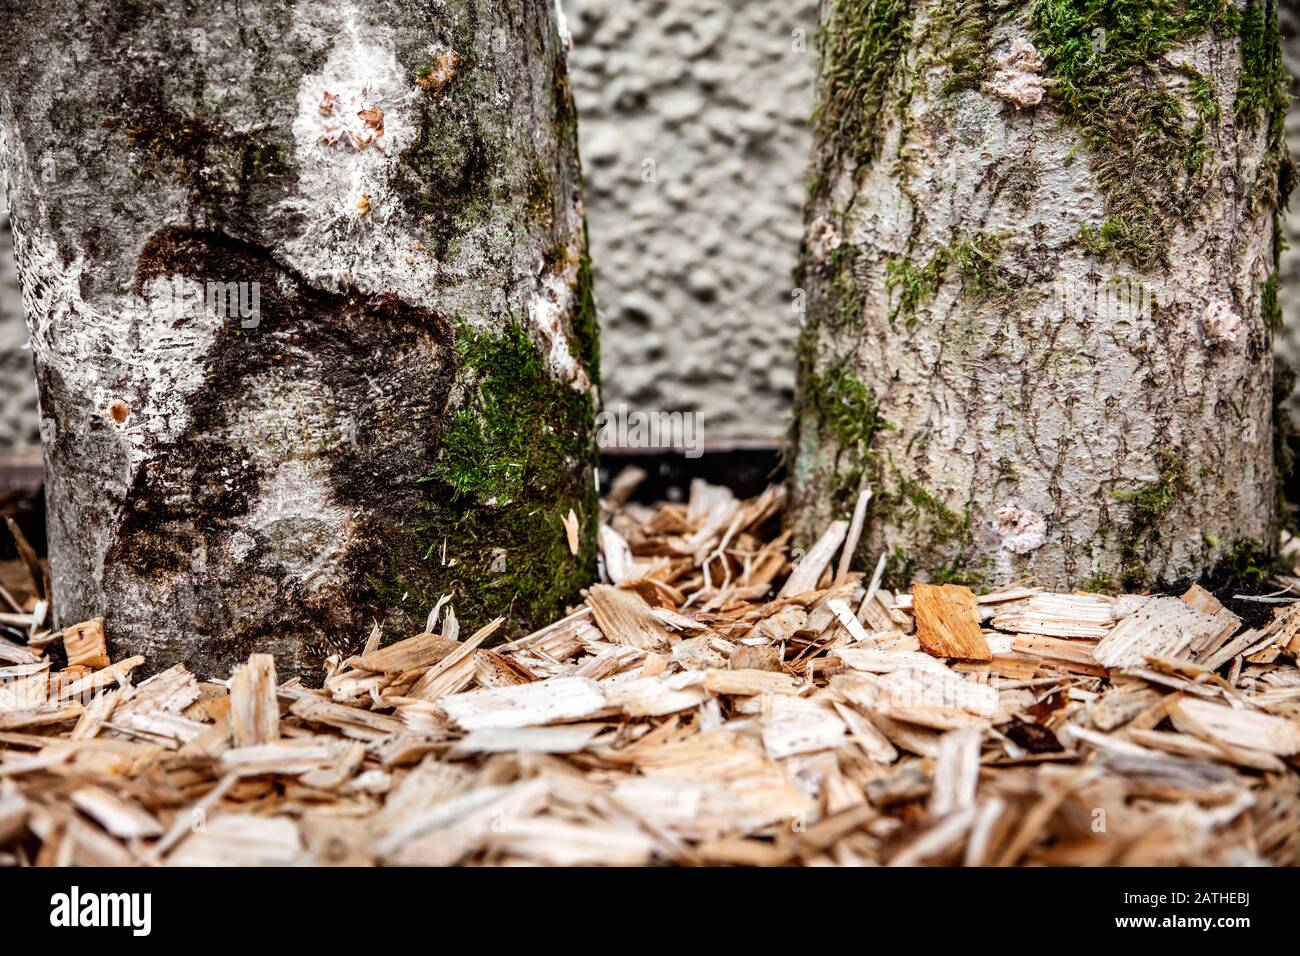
x=1040 y=279
x=308 y=293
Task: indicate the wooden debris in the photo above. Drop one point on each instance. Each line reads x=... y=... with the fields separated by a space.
x=625 y=618
x=1162 y=627
x=85 y=644
x=947 y=622
x=527 y=705
x=697 y=708
x=254 y=710
x=809 y=571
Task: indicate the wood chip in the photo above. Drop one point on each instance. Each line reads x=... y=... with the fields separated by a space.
x=254 y=709
x=947 y=622
x=85 y=644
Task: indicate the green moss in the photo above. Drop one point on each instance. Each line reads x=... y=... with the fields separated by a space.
x=515 y=457
x=862 y=46
x=512 y=561
x=1203 y=96
x=1149 y=506
x=906 y=504
x=847 y=297
x=1104 y=60
x=962 y=35
x=1262 y=83
x=1247 y=565
x=1114 y=239
x=540 y=196
x=974 y=256
x=517 y=428
x=1100 y=583
x=912 y=286
x=846 y=409
x=1270 y=310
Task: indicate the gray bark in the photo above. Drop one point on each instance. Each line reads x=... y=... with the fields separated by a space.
x=1040 y=304
x=402 y=413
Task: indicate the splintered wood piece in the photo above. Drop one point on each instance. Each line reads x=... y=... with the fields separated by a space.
x=41 y=716
x=748 y=683
x=956 y=771
x=947 y=622
x=169 y=691
x=240 y=839
x=456 y=668
x=526 y=705
x=619 y=564
x=85 y=644
x=352 y=721
x=1059 y=615
x=560 y=739
x=296 y=756
x=809 y=570
x=254 y=709
x=123 y=819
x=796 y=725
x=1252 y=729
x=625 y=618
x=24 y=686
x=408 y=655
x=1162 y=627
x=571 y=531
x=657 y=696
x=16 y=653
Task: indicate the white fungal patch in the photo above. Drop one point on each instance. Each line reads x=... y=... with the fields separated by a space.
x=354 y=118
x=1018 y=79
x=1020 y=529
x=823 y=239
x=548 y=309
x=1222 y=324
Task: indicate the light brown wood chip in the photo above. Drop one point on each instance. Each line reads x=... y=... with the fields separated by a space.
x=947 y=622
x=85 y=644
x=254 y=709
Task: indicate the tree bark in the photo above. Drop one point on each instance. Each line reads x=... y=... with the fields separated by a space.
x=1040 y=278
x=312 y=319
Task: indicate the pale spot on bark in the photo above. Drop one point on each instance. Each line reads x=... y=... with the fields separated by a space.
x=823 y=239
x=299 y=523
x=547 y=310
x=1222 y=324
x=1020 y=529
x=1018 y=79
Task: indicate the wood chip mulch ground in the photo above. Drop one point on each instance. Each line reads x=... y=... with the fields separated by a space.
x=707 y=704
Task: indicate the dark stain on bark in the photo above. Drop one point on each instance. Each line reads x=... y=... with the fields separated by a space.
x=382 y=363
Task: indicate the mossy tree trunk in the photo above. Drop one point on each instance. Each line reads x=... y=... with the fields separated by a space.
x=1040 y=278
x=307 y=289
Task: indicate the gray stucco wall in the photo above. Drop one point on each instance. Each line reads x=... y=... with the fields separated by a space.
x=694 y=135
x=693 y=120
x=18 y=417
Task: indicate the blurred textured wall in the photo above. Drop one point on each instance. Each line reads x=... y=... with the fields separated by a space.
x=18 y=419
x=693 y=124
x=694 y=134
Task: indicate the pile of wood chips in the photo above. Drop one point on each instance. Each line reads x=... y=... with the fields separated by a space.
x=707 y=705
